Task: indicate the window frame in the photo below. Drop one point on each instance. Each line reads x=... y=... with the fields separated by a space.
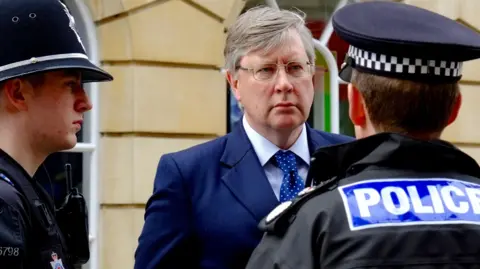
x=91 y=131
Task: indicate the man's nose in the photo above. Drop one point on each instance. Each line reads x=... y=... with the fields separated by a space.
x=83 y=103
x=282 y=82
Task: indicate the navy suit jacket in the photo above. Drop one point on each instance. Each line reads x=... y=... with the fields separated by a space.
x=207 y=202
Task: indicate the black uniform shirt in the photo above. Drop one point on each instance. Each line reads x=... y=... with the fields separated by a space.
x=383 y=201
x=24 y=242
x=15 y=225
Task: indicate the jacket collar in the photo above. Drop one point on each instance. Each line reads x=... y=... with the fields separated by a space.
x=391 y=150
x=238 y=144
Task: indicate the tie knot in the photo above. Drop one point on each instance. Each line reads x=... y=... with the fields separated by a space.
x=286 y=161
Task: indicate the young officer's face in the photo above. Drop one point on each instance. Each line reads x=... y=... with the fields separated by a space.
x=55 y=110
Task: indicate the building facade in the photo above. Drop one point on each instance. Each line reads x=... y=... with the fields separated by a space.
x=169 y=94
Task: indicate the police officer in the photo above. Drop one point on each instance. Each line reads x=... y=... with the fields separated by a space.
x=398 y=196
x=43 y=65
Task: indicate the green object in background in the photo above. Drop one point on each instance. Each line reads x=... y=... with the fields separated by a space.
x=345 y=125
x=326 y=91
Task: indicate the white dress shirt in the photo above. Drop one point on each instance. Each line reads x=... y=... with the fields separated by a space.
x=266 y=149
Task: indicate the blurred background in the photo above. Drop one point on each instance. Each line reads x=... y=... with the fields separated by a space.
x=169 y=93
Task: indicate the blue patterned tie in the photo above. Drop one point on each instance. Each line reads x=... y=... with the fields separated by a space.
x=292 y=183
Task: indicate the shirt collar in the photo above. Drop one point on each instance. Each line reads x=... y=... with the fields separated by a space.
x=266 y=149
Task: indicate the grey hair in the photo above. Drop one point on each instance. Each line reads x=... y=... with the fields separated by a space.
x=264 y=29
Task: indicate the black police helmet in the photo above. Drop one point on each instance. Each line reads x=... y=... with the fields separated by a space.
x=40 y=35
x=402 y=41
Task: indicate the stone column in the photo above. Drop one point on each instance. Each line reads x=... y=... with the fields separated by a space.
x=168 y=95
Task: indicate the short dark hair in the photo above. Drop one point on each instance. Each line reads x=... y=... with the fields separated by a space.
x=396 y=105
x=35 y=79
x=38 y=79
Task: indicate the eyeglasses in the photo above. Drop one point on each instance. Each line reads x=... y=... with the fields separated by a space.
x=269 y=71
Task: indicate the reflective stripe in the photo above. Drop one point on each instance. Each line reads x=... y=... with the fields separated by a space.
x=43 y=59
x=4 y=177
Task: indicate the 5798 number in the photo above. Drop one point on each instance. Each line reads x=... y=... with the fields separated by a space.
x=9 y=251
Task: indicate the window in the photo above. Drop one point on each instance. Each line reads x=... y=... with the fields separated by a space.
x=84 y=157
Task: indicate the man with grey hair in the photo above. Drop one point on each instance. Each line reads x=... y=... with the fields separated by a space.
x=208 y=200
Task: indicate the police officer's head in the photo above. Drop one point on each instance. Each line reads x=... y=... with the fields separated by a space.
x=403 y=65
x=43 y=64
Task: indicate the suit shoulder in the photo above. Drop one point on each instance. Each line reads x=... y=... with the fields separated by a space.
x=192 y=163
x=196 y=157
x=202 y=150
x=334 y=138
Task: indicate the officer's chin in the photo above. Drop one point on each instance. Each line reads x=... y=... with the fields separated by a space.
x=67 y=143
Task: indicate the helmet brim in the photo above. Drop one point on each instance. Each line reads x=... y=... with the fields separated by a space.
x=90 y=72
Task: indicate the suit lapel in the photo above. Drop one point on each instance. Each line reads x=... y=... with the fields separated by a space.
x=246 y=178
x=315 y=140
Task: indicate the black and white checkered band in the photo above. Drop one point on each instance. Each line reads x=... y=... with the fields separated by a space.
x=403 y=65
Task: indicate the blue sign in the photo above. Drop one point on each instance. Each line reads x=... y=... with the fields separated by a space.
x=409 y=201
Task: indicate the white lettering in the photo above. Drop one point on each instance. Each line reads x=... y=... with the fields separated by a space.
x=417 y=201
x=366 y=198
x=403 y=201
x=446 y=193
x=399 y=201
x=412 y=201
x=436 y=199
x=474 y=196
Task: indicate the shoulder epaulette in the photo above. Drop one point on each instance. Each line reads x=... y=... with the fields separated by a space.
x=280 y=218
x=6 y=179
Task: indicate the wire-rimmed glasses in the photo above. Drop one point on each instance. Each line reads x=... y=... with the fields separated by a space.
x=265 y=72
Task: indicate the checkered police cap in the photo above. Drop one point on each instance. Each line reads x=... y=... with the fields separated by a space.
x=402 y=41
x=404 y=65
x=40 y=35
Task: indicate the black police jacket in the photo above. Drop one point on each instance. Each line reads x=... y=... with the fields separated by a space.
x=386 y=201
x=29 y=235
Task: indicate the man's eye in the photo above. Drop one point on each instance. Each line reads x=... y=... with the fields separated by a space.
x=296 y=67
x=72 y=84
x=266 y=70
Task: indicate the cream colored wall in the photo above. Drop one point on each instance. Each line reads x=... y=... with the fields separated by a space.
x=168 y=94
x=465 y=132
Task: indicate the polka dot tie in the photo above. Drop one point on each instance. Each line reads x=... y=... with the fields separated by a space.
x=292 y=183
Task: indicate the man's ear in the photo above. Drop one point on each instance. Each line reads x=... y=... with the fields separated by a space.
x=455 y=109
x=319 y=72
x=233 y=81
x=14 y=91
x=356 y=109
